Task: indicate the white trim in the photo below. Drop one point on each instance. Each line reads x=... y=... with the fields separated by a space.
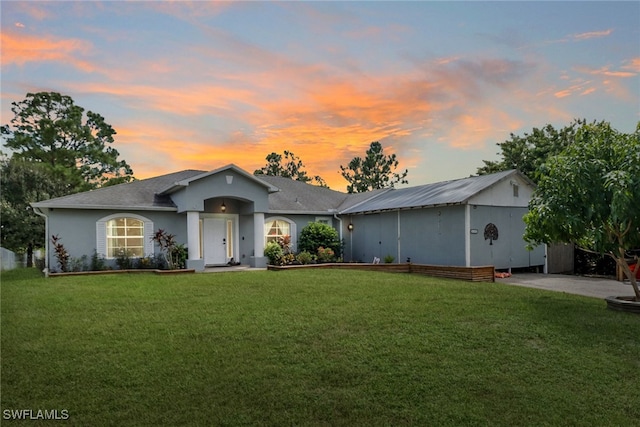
x=326 y=219
x=193 y=235
x=235 y=243
x=101 y=232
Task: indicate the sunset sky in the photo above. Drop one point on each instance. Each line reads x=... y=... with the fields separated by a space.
x=198 y=85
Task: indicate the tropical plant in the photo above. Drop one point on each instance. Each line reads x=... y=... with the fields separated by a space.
x=174 y=254
x=60 y=252
x=590 y=194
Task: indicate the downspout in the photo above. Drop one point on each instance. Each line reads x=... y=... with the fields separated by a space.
x=38 y=212
x=335 y=215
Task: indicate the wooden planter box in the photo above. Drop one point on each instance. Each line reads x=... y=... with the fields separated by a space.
x=132 y=271
x=471 y=274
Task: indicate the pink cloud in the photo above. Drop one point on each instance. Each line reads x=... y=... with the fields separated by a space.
x=20 y=49
x=632 y=65
x=606 y=71
x=591 y=35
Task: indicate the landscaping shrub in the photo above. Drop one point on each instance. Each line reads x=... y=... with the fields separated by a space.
x=326 y=254
x=145 y=263
x=97 y=262
x=123 y=259
x=179 y=255
x=304 y=257
x=389 y=259
x=273 y=251
x=315 y=235
x=78 y=264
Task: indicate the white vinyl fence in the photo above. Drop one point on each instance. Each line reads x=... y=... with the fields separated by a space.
x=7 y=259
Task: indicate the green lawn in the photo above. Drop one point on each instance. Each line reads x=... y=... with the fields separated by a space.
x=316 y=347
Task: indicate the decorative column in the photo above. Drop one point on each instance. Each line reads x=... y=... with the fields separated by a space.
x=193 y=235
x=258 y=235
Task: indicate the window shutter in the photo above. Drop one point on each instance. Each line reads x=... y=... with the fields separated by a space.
x=148 y=234
x=101 y=238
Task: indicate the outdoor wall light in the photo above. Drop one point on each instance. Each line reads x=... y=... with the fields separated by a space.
x=223 y=208
x=350 y=227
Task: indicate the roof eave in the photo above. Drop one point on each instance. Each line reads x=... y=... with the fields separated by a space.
x=292 y=212
x=403 y=208
x=185 y=182
x=105 y=207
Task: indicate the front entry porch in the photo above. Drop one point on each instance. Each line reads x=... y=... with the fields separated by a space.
x=218 y=239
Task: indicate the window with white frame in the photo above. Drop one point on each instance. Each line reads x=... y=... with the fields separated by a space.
x=324 y=220
x=274 y=229
x=125 y=236
x=124 y=233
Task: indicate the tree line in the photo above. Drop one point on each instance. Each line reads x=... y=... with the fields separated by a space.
x=587 y=174
x=59 y=148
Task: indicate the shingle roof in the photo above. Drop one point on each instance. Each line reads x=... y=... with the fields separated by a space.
x=176 y=186
x=440 y=193
x=140 y=194
x=298 y=197
x=292 y=197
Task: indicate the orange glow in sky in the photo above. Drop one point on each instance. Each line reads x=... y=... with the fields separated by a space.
x=198 y=85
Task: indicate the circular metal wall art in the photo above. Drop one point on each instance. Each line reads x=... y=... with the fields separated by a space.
x=491 y=233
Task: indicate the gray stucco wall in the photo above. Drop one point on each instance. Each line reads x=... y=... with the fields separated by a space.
x=192 y=197
x=427 y=236
x=509 y=250
x=77 y=228
x=434 y=235
x=245 y=245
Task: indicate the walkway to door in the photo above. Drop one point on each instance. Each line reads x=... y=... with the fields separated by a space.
x=223 y=269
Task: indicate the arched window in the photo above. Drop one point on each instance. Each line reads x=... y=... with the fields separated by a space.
x=124 y=233
x=276 y=229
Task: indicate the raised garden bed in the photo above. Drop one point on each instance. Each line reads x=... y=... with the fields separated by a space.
x=623 y=303
x=133 y=271
x=471 y=274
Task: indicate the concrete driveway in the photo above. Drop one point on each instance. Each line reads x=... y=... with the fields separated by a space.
x=587 y=286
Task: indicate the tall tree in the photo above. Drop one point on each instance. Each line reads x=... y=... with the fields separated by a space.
x=49 y=128
x=292 y=168
x=373 y=172
x=590 y=195
x=22 y=183
x=529 y=152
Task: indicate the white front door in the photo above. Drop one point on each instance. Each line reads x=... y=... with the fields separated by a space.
x=215 y=241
